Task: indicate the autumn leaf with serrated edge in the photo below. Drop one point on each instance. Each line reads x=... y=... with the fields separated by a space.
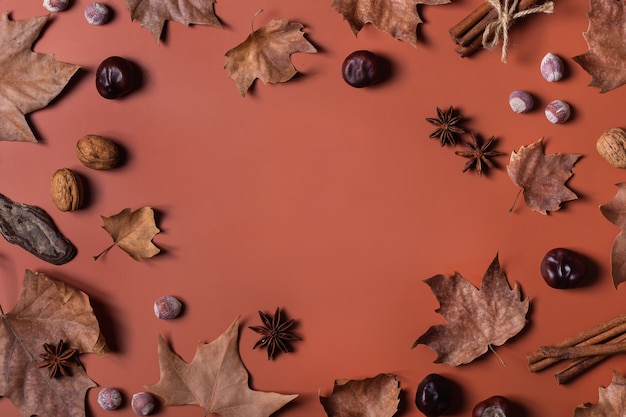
x=216 y=379
x=542 y=177
x=611 y=400
x=132 y=231
x=46 y=312
x=152 y=14
x=615 y=212
x=266 y=54
x=605 y=59
x=477 y=319
x=29 y=80
x=399 y=18
x=377 y=396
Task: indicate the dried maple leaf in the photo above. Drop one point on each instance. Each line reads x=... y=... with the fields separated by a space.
x=216 y=379
x=152 y=14
x=542 y=177
x=615 y=212
x=266 y=54
x=46 y=312
x=377 y=396
x=605 y=59
x=29 y=81
x=132 y=231
x=399 y=18
x=611 y=400
x=477 y=319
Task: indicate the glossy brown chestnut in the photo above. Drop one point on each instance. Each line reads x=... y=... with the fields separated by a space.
x=361 y=69
x=434 y=395
x=116 y=77
x=563 y=268
x=496 y=406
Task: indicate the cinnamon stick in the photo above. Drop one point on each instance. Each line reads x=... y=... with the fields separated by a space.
x=461 y=28
x=575 y=352
x=581 y=365
x=602 y=332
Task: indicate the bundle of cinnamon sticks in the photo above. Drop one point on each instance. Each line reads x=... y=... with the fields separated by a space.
x=468 y=33
x=584 y=349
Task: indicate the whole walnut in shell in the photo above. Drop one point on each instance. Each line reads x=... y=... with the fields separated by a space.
x=66 y=190
x=611 y=145
x=97 y=152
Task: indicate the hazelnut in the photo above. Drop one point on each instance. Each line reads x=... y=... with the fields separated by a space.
x=56 y=5
x=611 y=145
x=521 y=101
x=66 y=190
x=109 y=398
x=97 y=152
x=557 y=111
x=97 y=13
x=143 y=403
x=167 y=307
x=551 y=68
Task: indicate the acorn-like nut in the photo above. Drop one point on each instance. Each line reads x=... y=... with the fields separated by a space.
x=521 y=101
x=66 y=189
x=97 y=152
x=557 y=112
x=551 y=68
x=611 y=145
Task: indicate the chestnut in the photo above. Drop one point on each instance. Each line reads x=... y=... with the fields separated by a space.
x=563 y=268
x=496 y=406
x=116 y=77
x=434 y=395
x=361 y=69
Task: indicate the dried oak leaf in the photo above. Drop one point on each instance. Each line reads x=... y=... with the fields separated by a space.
x=132 y=231
x=615 y=212
x=152 y=14
x=477 y=319
x=369 y=397
x=605 y=59
x=611 y=400
x=266 y=54
x=542 y=177
x=399 y=18
x=29 y=80
x=216 y=379
x=46 y=312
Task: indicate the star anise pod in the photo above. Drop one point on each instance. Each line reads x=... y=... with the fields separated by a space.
x=479 y=154
x=275 y=334
x=447 y=123
x=58 y=359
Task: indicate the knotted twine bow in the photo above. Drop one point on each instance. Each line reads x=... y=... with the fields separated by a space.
x=506 y=15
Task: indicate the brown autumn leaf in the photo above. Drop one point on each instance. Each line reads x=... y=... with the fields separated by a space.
x=132 y=231
x=615 y=212
x=152 y=14
x=29 y=80
x=369 y=397
x=542 y=177
x=216 y=379
x=477 y=319
x=266 y=54
x=605 y=59
x=399 y=18
x=611 y=400
x=46 y=311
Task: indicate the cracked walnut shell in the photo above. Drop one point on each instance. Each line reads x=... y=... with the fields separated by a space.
x=97 y=152
x=611 y=145
x=66 y=189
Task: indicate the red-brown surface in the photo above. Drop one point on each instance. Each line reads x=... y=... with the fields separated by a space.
x=326 y=200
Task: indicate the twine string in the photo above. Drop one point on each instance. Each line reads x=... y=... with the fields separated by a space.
x=499 y=29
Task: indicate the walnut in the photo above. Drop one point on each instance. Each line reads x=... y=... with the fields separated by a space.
x=612 y=146
x=66 y=189
x=97 y=152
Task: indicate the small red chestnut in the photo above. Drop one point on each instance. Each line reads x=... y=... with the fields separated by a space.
x=109 y=398
x=167 y=307
x=97 y=13
x=496 y=406
x=116 y=77
x=56 y=5
x=551 y=68
x=361 y=69
x=521 y=101
x=557 y=111
x=563 y=268
x=143 y=403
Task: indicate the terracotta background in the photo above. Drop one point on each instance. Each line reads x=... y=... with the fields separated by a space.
x=328 y=201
